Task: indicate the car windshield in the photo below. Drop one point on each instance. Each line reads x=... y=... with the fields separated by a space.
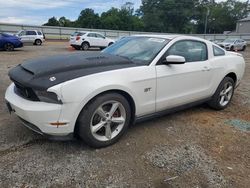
x=138 y=49
x=229 y=40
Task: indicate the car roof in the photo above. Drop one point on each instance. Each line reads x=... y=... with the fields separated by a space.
x=86 y=32
x=159 y=36
x=171 y=37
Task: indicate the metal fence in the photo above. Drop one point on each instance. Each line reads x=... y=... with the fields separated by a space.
x=63 y=33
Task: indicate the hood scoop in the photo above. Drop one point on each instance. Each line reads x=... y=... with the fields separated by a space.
x=27 y=70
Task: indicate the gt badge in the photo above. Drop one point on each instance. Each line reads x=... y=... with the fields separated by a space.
x=147 y=89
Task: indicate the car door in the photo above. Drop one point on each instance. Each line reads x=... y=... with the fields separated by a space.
x=31 y=35
x=101 y=41
x=183 y=83
x=242 y=43
x=92 y=39
x=23 y=36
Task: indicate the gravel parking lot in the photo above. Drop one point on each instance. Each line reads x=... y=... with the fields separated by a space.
x=197 y=147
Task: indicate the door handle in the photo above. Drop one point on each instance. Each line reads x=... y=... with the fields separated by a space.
x=206 y=68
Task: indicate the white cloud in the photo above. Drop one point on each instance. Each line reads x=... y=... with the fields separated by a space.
x=30 y=20
x=33 y=4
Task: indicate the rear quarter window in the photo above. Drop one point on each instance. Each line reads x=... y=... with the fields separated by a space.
x=39 y=33
x=218 y=51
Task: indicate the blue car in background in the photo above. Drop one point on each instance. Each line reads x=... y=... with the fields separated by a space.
x=9 y=42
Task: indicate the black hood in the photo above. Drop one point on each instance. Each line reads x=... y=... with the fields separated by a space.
x=38 y=73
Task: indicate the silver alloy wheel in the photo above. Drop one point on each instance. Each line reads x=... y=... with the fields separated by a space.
x=108 y=120
x=226 y=93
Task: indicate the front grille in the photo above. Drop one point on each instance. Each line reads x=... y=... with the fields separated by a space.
x=25 y=92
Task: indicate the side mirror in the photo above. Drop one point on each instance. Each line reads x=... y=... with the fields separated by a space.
x=174 y=59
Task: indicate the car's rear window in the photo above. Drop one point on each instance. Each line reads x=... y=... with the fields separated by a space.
x=77 y=34
x=39 y=33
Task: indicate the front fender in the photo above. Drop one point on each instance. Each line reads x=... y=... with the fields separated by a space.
x=75 y=94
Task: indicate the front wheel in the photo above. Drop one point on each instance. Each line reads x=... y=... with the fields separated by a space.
x=9 y=47
x=223 y=94
x=104 y=120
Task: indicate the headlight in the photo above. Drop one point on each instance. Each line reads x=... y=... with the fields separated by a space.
x=50 y=97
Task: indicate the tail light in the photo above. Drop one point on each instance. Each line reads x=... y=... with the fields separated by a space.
x=78 y=38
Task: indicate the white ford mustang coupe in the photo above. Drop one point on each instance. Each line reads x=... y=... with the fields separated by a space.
x=97 y=95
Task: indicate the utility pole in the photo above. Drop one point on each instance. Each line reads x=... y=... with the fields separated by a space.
x=207 y=14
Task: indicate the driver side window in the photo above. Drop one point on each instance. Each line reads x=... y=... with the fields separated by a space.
x=191 y=50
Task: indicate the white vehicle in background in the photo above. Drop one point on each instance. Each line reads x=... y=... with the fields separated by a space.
x=31 y=36
x=85 y=40
x=233 y=44
x=98 y=95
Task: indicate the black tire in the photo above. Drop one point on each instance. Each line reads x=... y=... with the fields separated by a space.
x=110 y=44
x=232 y=48
x=87 y=116
x=85 y=46
x=38 y=42
x=215 y=102
x=9 y=47
x=244 y=48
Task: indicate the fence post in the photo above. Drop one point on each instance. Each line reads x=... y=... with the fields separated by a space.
x=60 y=33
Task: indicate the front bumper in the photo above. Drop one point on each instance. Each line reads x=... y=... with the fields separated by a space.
x=19 y=45
x=226 y=47
x=37 y=115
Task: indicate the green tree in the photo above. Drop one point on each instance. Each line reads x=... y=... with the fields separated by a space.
x=111 y=19
x=88 y=19
x=168 y=15
x=52 y=22
x=223 y=16
x=171 y=16
x=64 y=22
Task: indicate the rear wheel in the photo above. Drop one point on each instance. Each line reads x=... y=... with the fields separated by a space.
x=223 y=94
x=8 y=47
x=85 y=46
x=38 y=42
x=104 y=120
x=244 y=48
x=232 y=48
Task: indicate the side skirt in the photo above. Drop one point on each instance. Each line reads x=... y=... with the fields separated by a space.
x=170 y=111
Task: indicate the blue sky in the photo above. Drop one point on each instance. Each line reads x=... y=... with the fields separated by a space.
x=38 y=11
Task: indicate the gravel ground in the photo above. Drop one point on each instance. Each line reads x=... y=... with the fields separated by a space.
x=197 y=147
